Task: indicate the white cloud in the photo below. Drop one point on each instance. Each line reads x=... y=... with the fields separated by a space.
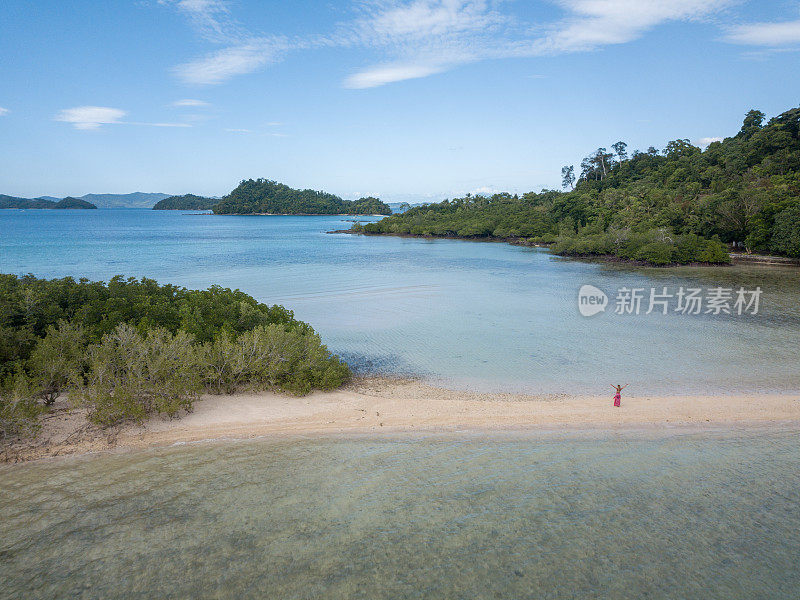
x=239 y=130
x=211 y=18
x=432 y=36
x=243 y=52
x=765 y=34
x=190 y=102
x=596 y=23
x=419 y=38
x=90 y=117
x=223 y=64
x=704 y=142
x=394 y=22
x=422 y=38
x=4 y=111
x=381 y=75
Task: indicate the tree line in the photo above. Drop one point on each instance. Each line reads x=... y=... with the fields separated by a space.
x=681 y=204
x=130 y=348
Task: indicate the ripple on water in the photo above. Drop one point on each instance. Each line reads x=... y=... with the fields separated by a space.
x=436 y=517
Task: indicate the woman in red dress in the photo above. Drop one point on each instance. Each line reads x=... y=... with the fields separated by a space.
x=618 y=395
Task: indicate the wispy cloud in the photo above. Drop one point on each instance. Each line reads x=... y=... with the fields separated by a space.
x=765 y=34
x=243 y=53
x=221 y=65
x=188 y=102
x=423 y=37
x=432 y=36
x=90 y=117
x=591 y=24
x=232 y=130
x=419 y=38
x=211 y=18
x=93 y=117
x=399 y=23
x=383 y=74
x=4 y=111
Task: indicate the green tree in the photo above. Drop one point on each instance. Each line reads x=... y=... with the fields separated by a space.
x=621 y=150
x=752 y=122
x=568 y=177
x=786 y=235
x=57 y=358
x=131 y=376
x=19 y=411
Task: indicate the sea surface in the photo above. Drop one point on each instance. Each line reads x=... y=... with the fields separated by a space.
x=484 y=316
x=648 y=514
x=694 y=516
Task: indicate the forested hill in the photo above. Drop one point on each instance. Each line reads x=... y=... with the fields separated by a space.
x=186 y=202
x=33 y=203
x=262 y=196
x=678 y=205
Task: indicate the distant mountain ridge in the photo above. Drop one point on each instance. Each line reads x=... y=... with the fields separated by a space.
x=43 y=203
x=132 y=200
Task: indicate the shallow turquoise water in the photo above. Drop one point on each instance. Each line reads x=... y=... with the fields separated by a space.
x=426 y=517
x=714 y=515
x=484 y=316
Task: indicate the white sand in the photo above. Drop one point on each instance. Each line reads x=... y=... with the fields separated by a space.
x=381 y=406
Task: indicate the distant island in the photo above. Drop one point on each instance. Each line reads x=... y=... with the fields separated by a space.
x=262 y=196
x=186 y=202
x=43 y=203
x=251 y=197
x=132 y=200
x=677 y=206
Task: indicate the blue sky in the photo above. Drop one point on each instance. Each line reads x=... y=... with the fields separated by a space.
x=408 y=100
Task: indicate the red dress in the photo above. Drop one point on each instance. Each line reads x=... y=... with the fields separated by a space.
x=617 y=398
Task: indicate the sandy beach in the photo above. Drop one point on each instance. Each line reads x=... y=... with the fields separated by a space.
x=382 y=406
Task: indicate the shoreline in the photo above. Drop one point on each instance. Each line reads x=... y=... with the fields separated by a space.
x=737 y=258
x=289 y=214
x=380 y=407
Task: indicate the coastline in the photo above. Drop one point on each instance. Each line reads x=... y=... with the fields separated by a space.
x=381 y=406
x=737 y=258
x=293 y=214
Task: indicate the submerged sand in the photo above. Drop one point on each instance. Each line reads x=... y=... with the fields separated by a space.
x=384 y=406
